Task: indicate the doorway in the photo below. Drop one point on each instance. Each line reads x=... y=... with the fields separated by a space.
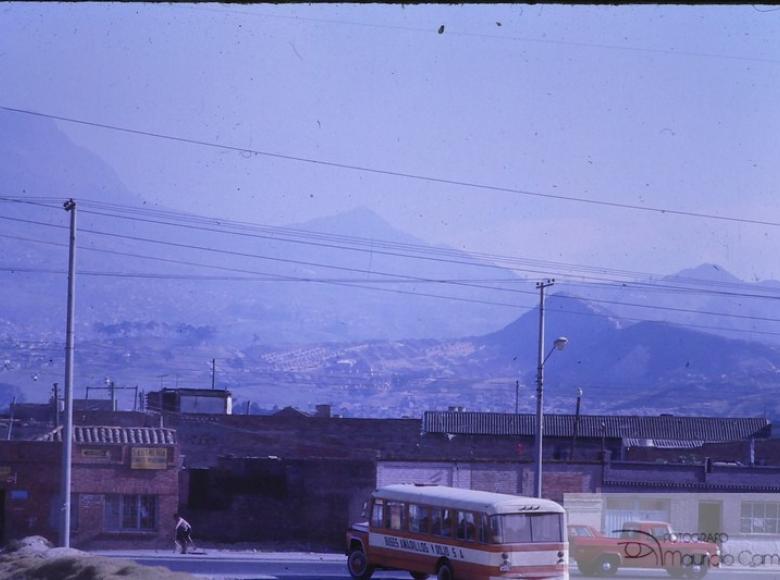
x=711 y=518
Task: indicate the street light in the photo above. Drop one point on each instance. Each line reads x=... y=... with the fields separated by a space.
x=558 y=344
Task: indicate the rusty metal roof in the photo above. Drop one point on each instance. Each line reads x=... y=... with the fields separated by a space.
x=103 y=435
x=663 y=427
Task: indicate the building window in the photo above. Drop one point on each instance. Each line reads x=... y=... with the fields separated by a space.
x=130 y=512
x=760 y=517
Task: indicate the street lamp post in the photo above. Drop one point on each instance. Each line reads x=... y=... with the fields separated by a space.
x=559 y=344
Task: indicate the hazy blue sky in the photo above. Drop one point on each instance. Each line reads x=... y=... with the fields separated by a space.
x=668 y=106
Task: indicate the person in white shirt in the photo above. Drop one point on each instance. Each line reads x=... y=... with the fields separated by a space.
x=183 y=533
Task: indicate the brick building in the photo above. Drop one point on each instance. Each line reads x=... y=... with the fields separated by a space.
x=309 y=475
x=124 y=486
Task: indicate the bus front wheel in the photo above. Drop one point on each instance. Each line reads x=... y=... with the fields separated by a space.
x=445 y=572
x=357 y=563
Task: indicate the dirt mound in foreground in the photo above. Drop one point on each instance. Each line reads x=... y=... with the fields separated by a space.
x=35 y=558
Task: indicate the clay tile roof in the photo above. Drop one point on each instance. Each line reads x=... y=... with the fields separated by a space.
x=99 y=434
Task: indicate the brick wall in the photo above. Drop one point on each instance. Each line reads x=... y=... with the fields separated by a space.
x=31 y=490
x=299 y=504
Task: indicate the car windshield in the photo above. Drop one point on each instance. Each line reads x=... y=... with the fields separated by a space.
x=526 y=528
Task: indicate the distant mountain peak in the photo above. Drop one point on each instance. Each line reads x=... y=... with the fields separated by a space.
x=706 y=271
x=360 y=222
x=565 y=315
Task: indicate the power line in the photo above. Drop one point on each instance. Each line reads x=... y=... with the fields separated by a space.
x=142 y=275
x=396 y=291
x=394 y=173
x=372 y=246
x=450 y=31
x=407 y=277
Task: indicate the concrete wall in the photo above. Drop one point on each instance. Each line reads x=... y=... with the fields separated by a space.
x=511 y=477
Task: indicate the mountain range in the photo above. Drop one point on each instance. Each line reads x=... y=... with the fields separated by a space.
x=346 y=309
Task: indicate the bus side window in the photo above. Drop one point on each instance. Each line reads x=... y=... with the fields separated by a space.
x=419 y=518
x=377 y=514
x=466 y=526
x=393 y=515
x=436 y=521
x=447 y=522
x=482 y=528
x=494 y=535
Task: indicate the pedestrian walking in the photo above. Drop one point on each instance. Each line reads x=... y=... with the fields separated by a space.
x=182 y=534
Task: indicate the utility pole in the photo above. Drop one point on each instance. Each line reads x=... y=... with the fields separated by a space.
x=11 y=421
x=112 y=390
x=576 y=424
x=517 y=397
x=540 y=390
x=213 y=371
x=67 y=430
x=56 y=390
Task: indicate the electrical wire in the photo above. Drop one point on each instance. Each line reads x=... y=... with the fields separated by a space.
x=392 y=172
x=399 y=276
x=372 y=246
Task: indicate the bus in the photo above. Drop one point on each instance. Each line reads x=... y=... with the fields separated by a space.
x=454 y=533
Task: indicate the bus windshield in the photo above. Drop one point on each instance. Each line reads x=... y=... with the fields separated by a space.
x=526 y=528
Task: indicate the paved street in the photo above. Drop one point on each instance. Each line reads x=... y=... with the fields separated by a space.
x=247 y=566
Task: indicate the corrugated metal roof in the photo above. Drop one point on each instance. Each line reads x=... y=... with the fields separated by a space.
x=116 y=435
x=664 y=427
x=661 y=443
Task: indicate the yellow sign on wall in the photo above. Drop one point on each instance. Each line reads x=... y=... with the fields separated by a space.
x=149 y=458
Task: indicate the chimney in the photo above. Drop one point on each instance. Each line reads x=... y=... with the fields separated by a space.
x=322 y=411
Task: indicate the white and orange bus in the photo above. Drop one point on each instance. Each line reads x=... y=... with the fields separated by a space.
x=459 y=533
